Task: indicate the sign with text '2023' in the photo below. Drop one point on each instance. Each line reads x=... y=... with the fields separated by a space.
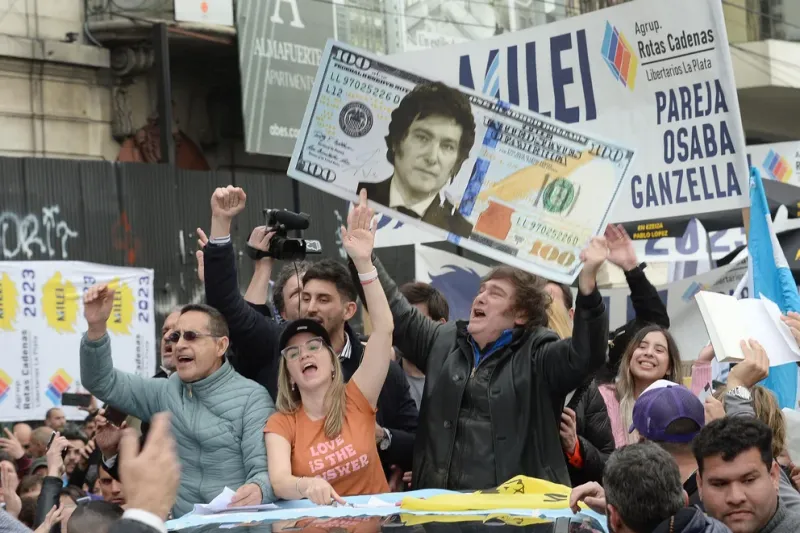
x=280 y=45
x=655 y=76
x=507 y=183
x=41 y=325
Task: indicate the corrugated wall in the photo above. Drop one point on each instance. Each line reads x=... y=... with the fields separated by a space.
x=131 y=214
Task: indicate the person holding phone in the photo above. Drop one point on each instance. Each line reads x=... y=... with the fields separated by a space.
x=317 y=409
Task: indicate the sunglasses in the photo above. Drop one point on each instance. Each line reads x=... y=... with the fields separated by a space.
x=189 y=335
x=311 y=346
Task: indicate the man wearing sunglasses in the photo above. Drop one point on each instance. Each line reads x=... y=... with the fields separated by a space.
x=217 y=415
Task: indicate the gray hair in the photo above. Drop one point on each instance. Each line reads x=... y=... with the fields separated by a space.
x=643 y=483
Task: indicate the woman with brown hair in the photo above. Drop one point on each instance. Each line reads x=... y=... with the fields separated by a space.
x=652 y=355
x=320 y=443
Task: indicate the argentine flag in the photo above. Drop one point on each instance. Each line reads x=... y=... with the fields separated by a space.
x=769 y=274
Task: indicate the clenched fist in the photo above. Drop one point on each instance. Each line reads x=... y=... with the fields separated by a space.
x=227 y=202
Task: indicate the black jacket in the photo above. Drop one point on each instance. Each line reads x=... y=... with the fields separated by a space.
x=480 y=426
x=648 y=309
x=255 y=340
x=48 y=498
x=596 y=441
x=442 y=215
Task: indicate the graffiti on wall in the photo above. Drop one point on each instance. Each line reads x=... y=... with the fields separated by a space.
x=34 y=236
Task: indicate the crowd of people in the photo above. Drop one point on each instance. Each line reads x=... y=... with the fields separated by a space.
x=284 y=400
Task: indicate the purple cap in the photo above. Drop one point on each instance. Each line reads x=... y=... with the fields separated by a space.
x=657 y=408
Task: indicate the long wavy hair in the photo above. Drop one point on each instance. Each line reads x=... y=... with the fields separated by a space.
x=289 y=400
x=625 y=384
x=558 y=319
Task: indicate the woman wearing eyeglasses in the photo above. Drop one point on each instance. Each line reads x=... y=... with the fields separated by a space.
x=321 y=442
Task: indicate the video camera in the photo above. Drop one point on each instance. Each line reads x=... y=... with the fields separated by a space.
x=281 y=246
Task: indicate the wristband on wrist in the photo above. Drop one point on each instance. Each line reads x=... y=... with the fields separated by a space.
x=368 y=277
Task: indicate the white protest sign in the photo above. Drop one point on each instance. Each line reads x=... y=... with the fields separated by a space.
x=41 y=325
x=656 y=76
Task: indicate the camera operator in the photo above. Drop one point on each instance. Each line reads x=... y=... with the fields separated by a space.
x=328 y=297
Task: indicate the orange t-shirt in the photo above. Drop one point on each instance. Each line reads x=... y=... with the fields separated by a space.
x=349 y=462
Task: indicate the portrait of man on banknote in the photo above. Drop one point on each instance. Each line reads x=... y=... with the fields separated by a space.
x=430 y=136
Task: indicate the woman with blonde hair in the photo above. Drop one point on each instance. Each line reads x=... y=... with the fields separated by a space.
x=652 y=355
x=320 y=442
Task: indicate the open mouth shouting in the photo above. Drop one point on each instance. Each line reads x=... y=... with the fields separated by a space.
x=309 y=369
x=184 y=359
x=478 y=313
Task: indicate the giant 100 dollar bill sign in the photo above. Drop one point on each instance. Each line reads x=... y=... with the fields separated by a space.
x=515 y=186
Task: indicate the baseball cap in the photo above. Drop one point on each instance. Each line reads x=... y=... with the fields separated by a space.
x=41 y=462
x=304 y=325
x=657 y=408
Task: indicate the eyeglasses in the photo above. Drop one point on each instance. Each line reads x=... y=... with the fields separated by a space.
x=311 y=346
x=189 y=335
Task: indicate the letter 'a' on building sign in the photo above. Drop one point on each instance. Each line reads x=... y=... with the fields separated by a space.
x=654 y=76
x=280 y=45
x=205 y=11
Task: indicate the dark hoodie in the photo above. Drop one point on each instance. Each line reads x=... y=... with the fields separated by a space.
x=691 y=520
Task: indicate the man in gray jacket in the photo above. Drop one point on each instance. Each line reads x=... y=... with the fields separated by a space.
x=218 y=416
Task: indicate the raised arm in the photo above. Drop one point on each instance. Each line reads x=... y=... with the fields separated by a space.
x=135 y=395
x=253 y=336
x=359 y=240
x=567 y=363
x=646 y=303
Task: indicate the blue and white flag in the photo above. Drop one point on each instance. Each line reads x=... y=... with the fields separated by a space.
x=771 y=277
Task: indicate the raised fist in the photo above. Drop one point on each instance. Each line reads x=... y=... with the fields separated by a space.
x=227 y=202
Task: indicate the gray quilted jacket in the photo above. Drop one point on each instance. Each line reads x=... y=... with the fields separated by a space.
x=218 y=422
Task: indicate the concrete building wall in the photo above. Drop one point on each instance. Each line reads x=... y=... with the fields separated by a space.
x=55 y=97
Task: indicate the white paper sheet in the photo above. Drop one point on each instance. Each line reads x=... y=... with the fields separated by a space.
x=223 y=500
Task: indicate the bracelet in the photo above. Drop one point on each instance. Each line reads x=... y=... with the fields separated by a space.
x=368 y=276
x=363 y=283
x=297 y=486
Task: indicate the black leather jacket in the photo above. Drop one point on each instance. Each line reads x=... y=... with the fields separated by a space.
x=595 y=438
x=480 y=426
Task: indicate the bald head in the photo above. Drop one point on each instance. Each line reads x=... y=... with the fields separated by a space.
x=23 y=432
x=39 y=440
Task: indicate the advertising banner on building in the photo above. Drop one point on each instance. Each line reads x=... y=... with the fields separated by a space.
x=459 y=278
x=280 y=45
x=654 y=76
x=41 y=325
x=493 y=178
